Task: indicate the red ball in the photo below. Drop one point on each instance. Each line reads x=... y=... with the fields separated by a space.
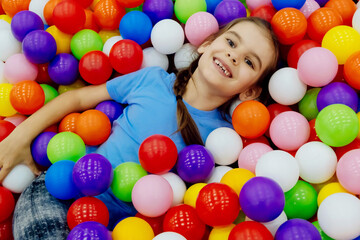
x=43 y=75
x=95 y=67
x=69 y=16
x=313 y=135
x=250 y=230
x=217 y=204
x=158 y=154
x=7 y=203
x=130 y=3
x=156 y=223
x=87 y=209
x=184 y=220
x=261 y=139
x=90 y=22
x=340 y=151
x=298 y=49
x=265 y=12
x=6 y=229
x=5 y=129
x=126 y=56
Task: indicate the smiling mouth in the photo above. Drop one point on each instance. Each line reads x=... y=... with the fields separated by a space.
x=222 y=68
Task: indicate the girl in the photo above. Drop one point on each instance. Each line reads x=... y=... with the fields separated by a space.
x=233 y=63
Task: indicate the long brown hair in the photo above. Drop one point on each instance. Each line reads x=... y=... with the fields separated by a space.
x=186 y=125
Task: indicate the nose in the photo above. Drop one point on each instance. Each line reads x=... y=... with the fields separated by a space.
x=232 y=58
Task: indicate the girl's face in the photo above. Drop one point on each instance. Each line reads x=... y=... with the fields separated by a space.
x=235 y=60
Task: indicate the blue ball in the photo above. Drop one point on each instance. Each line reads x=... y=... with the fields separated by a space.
x=64 y=69
x=297 y=229
x=39 y=47
x=39 y=147
x=136 y=26
x=280 y=4
x=211 y=5
x=24 y=22
x=111 y=109
x=158 y=10
x=59 y=181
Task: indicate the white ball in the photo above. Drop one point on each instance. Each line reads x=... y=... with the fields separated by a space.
x=217 y=174
x=339 y=216
x=167 y=36
x=8 y=44
x=358 y=5
x=280 y=166
x=37 y=6
x=317 y=162
x=185 y=56
x=356 y=19
x=285 y=87
x=5 y=25
x=168 y=236
x=178 y=186
x=19 y=178
x=273 y=225
x=225 y=145
x=110 y=43
x=2 y=79
x=151 y=57
x=233 y=105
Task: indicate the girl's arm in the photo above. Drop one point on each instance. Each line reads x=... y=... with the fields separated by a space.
x=15 y=149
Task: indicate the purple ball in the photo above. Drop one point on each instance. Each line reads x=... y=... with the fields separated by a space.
x=64 y=69
x=297 y=229
x=111 y=109
x=39 y=47
x=337 y=92
x=89 y=230
x=195 y=163
x=158 y=9
x=24 y=22
x=39 y=147
x=321 y=2
x=92 y=174
x=262 y=199
x=228 y=10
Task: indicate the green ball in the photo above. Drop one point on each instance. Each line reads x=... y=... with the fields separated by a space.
x=337 y=125
x=125 y=177
x=301 y=201
x=185 y=8
x=65 y=146
x=307 y=105
x=85 y=41
x=322 y=234
x=50 y=92
x=138 y=8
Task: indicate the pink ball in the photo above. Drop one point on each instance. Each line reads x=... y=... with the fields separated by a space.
x=253 y=4
x=16 y=119
x=17 y=68
x=199 y=26
x=250 y=155
x=309 y=7
x=348 y=171
x=289 y=130
x=152 y=195
x=317 y=67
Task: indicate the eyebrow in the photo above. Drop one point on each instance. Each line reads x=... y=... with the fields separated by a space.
x=251 y=52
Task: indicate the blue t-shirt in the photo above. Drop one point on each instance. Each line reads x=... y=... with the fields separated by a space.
x=151 y=110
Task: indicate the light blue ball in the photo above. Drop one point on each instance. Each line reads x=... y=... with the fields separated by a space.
x=136 y=26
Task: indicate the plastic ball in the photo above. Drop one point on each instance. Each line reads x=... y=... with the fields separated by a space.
x=95 y=67
x=136 y=26
x=217 y=205
x=329 y=189
x=11 y=7
x=273 y=225
x=111 y=109
x=126 y=56
x=184 y=220
x=156 y=223
x=250 y=230
x=185 y=56
x=323 y=235
x=346 y=8
x=356 y=20
x=90 y=22
x=340 y=151
x=128 y=228
x=218 y=173
x=28 y=70
x=151 y=58
x=253 y=4
x=228 y=10
x=152 y=195
x=195 y=163
x=307 y=105
x=48 y=11
x=69 y=17
x=178 y=186
x=50 y=92
x=321 y=2
x=67 y=124
x=347 y=171
x=110 y=43
x=91 y=230
x=24 y=22
x=250 y=155
x=39 y=46
x=108 y=14
x=157 y=154
x=27 y=97
x=125 y=177
x=15 y=119
x=236 y=178
x=167 y=36
x=338 y=216
x=65 y=145
x=185 y=8
x=43 y=75
x=309 y=7
x=7 y=204
x=130 y=3
x=298 y=49
x=63 y=69
x=297 y=229
x=222 y=232
x=192 y=194
x=5 y=129
x=169 y=235
x=87 y=209
x=352 y=71
x=158 y=10
x=39 y=147
x=289 y=25
x=6 y=109
x=76 y=85
x=8 y=44
x=84 y=41
x=280 y=4
x=265 y=12
x=37 y=6
x=19 y=178
x=279 y=166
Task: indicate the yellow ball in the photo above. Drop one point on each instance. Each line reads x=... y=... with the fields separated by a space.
x=62 y=39
x=236 y=178
x=192 y=193
x=106 y=34
x=64 y=88
x=93 y=4
x=133 y=228
x=221 y=233
x=342 y=41
x=6 y=109
x=5 y=18
x=330 y=189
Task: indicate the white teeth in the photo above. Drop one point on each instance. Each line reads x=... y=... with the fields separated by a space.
x=227 y=73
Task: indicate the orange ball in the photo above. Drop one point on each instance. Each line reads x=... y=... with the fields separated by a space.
x=346 y=8
x=48 y=11
x=289 y=25
x=352 y=70
x=90 y=22
x=108 y=14
x=11 y=7
x=93 y=126
x=251 y=119
x=27 y=97
x=321 y=21
x=67 y=124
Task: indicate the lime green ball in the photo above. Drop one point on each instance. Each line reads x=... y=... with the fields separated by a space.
x=322 y=234
x=125 y=177
x=337 y=125
x=50 y=92
x=65 y=146
x=85 y=41
x=307 y=105
x=185 y=8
